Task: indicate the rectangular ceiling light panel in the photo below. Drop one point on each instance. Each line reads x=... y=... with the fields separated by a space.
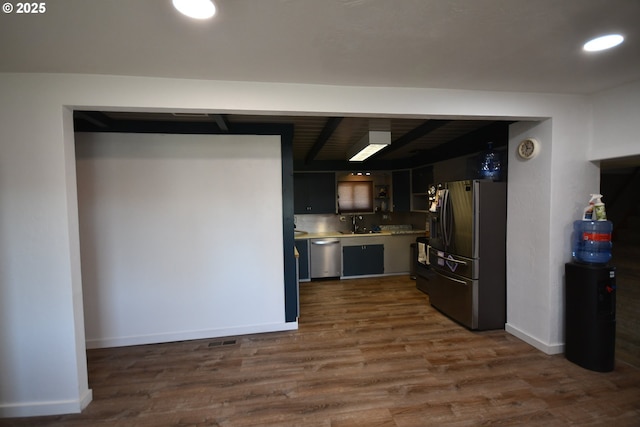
x=370 y=144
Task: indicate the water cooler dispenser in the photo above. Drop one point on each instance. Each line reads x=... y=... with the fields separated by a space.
x=590 y=315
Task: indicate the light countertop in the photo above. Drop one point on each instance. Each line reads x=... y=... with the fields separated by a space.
x=336 y=234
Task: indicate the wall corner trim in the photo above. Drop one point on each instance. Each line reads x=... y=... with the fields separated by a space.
x=191 y=335
x=35 y=409
x=535 y=342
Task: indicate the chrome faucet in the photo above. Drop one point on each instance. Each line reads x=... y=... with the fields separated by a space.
x=354 y=222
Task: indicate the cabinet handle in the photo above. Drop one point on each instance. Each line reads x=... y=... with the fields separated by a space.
x=325 y=242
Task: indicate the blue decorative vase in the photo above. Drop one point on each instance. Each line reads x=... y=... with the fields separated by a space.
x=490 y=167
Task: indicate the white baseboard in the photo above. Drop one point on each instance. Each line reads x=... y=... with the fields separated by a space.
x=189 y=335
x=37 y=409
x=540 y=345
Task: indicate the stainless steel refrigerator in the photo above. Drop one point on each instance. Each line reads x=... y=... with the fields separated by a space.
x=467 y=251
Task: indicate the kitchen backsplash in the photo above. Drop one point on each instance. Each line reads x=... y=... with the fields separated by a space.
x=330 y=222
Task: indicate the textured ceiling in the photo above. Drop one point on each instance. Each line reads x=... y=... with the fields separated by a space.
x=502 y=45
x=506 y=45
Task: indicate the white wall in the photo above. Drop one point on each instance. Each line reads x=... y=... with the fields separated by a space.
x=616 y=123
x=39 y=251
x=42 y=357
x=529 y=243
x=539 y=247
x=163 y=221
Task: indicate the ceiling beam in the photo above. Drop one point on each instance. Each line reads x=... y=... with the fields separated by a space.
x=150 y=126
x=472 y=142
x=96 y=118
x=415 y=133
x=343 y=165
x=81 y=124
x=330 y=126
x=221 y=122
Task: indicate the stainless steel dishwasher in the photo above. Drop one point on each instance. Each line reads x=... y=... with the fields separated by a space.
x=326 y=259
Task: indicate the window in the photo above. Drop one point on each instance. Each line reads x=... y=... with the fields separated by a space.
x=355 y=196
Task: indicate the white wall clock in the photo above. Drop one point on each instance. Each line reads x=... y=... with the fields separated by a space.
x=528 y=148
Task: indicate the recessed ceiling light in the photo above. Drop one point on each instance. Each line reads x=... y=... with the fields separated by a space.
x=602 y=43
x=197 y=9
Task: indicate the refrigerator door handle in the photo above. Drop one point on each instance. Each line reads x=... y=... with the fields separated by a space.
x=462 y=282
x=447 y=220
x=451 y=260
x=443 y=210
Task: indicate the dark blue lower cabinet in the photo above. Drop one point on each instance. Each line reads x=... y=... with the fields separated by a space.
x=303 y=259
x=362 y=260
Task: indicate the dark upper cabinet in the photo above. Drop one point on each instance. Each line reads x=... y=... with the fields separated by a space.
x=421 y=178
x=401 y=191
x=314 y=193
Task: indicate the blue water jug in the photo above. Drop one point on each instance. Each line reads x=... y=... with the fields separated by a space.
x=592 y=241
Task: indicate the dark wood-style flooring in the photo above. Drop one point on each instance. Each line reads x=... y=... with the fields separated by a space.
x=368 y=352
x=625 y=258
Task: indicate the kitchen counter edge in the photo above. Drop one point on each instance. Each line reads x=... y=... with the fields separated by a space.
x=337 y=234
